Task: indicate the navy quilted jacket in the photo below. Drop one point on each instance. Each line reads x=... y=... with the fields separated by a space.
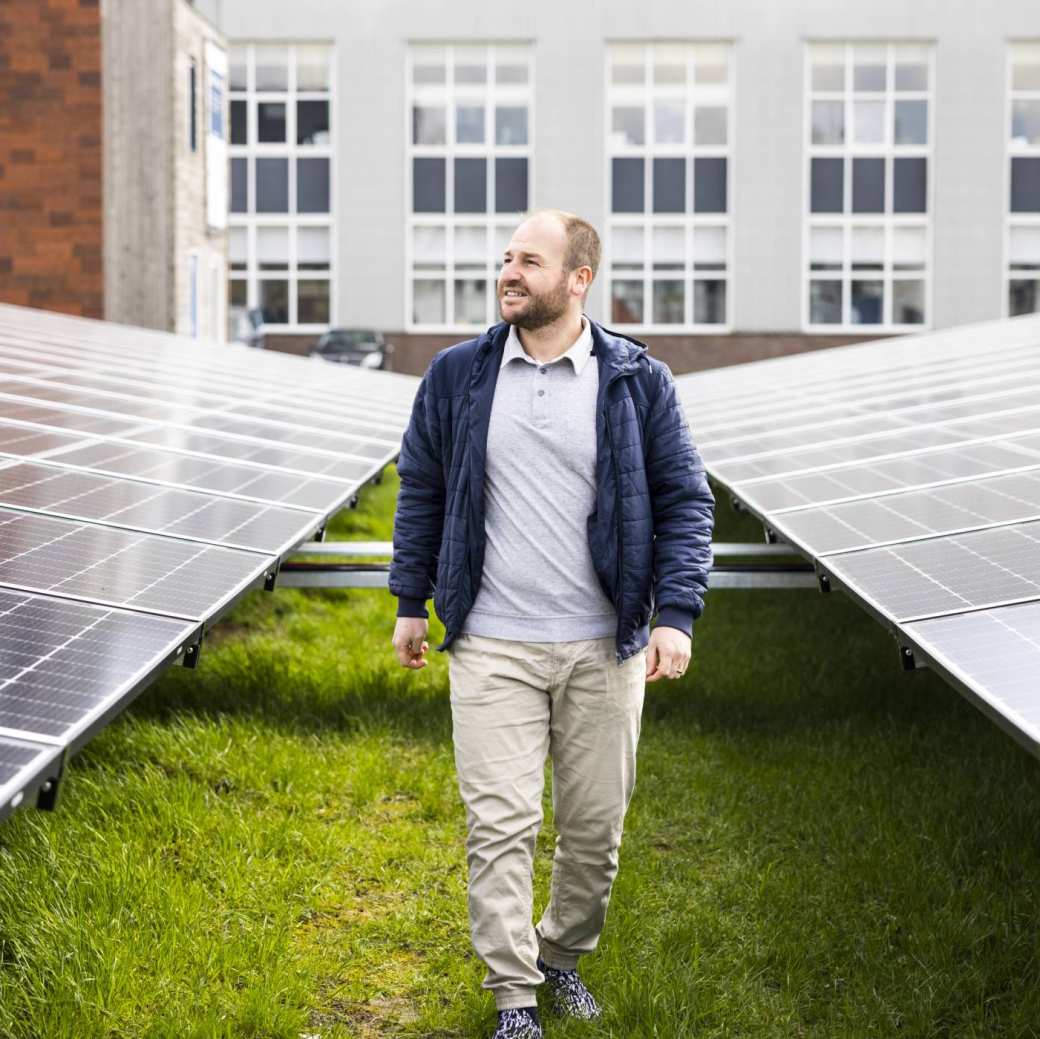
x=650 y=531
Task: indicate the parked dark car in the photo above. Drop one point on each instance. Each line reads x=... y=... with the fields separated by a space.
x=362 y=346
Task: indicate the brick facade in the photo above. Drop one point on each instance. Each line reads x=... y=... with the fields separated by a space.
x=50 y=155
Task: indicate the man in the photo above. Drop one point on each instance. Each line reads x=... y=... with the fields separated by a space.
x=551 y=499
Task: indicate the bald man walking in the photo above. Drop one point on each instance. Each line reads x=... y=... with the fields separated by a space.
x=553 y=504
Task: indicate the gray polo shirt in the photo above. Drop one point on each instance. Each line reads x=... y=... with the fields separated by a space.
x=538 y=583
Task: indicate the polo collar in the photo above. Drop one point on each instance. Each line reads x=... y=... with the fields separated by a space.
x=578 y=353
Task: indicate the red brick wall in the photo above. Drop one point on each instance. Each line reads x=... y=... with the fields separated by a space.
x=50 y=155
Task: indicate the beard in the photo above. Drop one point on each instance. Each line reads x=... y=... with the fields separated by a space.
x=542 y=308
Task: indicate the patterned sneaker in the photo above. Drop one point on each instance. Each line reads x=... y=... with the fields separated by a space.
x=568 y=995
x=521 y=1023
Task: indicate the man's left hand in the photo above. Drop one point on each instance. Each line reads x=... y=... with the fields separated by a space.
x=668 y=653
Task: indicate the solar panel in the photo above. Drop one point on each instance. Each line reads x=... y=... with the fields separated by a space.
x=912 y=514
x=151 y=507
x=124 y=458
x=909 y=471
x=117 y=568
x=872 y=479
x=64 y=665
x=992 y=653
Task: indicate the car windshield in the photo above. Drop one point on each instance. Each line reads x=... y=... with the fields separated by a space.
x=362 y=339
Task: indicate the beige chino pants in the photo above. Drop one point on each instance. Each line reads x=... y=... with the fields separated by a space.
x=512 y=704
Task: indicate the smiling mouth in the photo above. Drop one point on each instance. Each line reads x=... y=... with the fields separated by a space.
x=514 y=294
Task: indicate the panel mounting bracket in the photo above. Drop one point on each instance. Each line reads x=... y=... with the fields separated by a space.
x=47 y=795
x=271 y=577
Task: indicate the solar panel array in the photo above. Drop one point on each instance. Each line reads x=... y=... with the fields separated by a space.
x=908 y=470
x=147 y=482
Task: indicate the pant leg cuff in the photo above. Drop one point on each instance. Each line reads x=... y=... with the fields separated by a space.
x=558 y=961
x=513 y=1000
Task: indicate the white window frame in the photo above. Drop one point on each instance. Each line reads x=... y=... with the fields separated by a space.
x=291 y=151
x=644 y=95
x=490 y=94
x=846 y=220
x=1031 y=50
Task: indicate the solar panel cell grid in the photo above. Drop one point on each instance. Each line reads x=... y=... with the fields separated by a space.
x=61 y=661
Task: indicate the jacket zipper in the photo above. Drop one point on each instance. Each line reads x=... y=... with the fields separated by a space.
x=620 y=525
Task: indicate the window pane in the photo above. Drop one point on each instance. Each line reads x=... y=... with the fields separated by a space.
x=869 y=69
x=312 y=185
x=238 y=123
x=510 y=65
x=272 y=248
x=908 y=248
x=428 y=302
x=866 y=302
x=911 y=125
x=239 y=185
x=272 y=68
x=429 y=124
x=469 y=124
x=1025 y=248
x=709 y=124
x=510 y=185
x=313 y=248
x=868 y=248
x=428 y=185
x=471 y=185
x=471 y=301
x=908 y=302
x=274 y=301
x=312 y=122
x=238 y=292
x=628 y=183
x=1025 y=184
x=627 y=126
x=312 y=67
x=312 y=302
x=709 y=185
x=825 y=249
x=828 y=73
x=237 y=67
x=709 y=248
x=911 y=67
x=470 y=65
x=1025 y=75
x=668 y=302
x=238 y=248
x=429 y=247
x=1025 y=122
x=669 y=122
x=627 y=246
x=669 y=185
x=510 y=124
x=910 y=185
x=270 y=122
x=828 y=122
x=826 y=190
x=1023 y=297
x=709 y=302
x=428 y=71
x=272 y=185
x=868 y=122
x=627 y=65
x=669 y=248
x=626 y=302
x=710 y=64
x=825 y=302
x=470 y=246
x=868 y=185
x=669 y=64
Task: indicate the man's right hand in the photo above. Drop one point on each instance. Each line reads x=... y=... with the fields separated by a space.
x=410 y=641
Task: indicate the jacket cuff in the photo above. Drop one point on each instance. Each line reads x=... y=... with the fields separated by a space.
x=411 y=607
x=675 y=617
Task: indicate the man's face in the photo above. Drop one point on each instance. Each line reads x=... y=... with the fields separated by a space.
x=533 y=288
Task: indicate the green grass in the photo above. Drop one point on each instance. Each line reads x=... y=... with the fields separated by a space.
x=272 y=845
